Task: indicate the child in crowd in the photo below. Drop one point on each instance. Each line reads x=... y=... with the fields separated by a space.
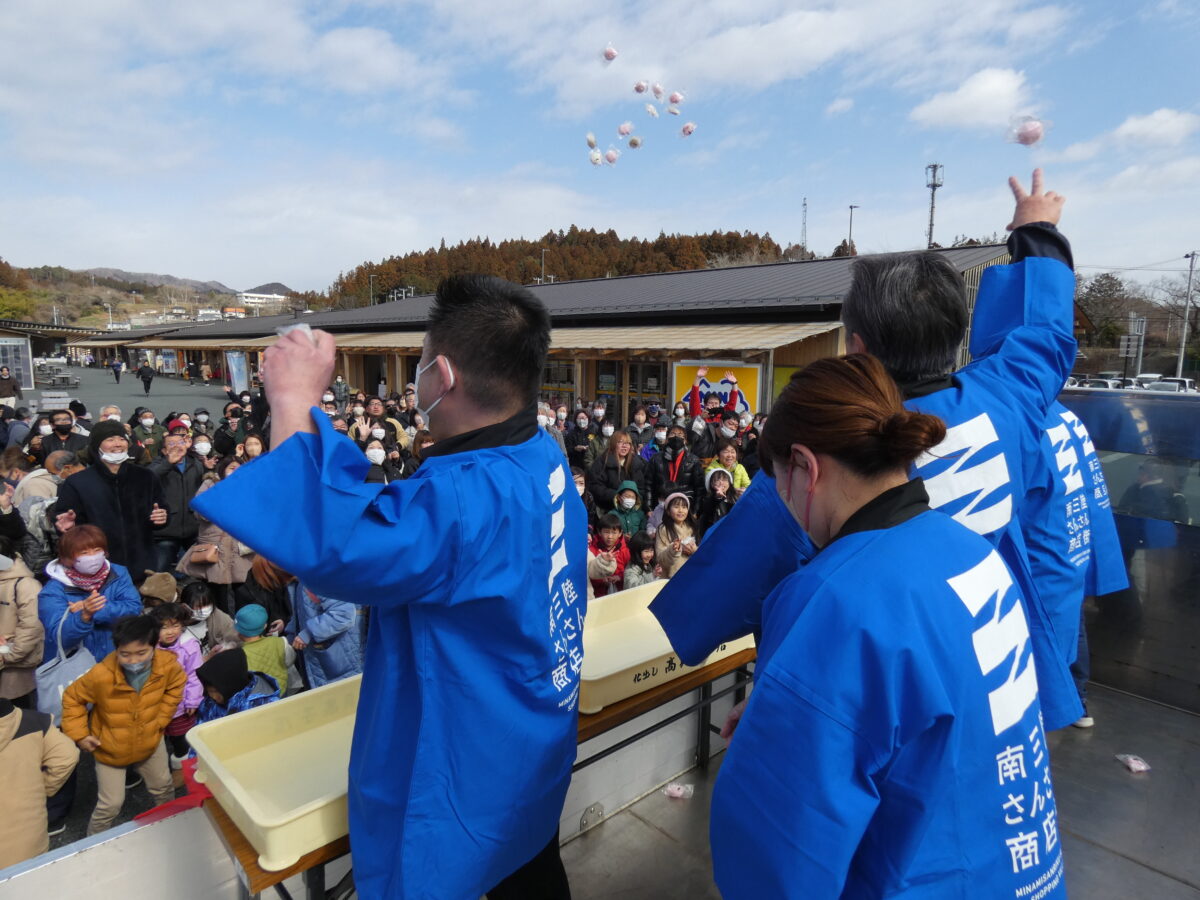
x=172 y=619
x=230 y=686
x=719 y=497
x=326 y=633
x=642 y=568
x=609 y=539
x=208 y=624
x=269 y=654
x=35 y=761
x=627 y=506
x=675 y=539
x=133 y=694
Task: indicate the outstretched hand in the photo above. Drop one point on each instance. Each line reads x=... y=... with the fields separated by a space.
x=296 y=372
x=1035 y=206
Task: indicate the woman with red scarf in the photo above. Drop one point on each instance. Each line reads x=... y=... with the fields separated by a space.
x=87 y=591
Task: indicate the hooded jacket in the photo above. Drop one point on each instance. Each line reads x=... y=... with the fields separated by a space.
x=129 y=723
x=35 y=760
x=58 y=593
x=242 y=688
x=187 y=653
x=21 y=628
x=330 y=631
x=38 y=483
x=632 y=520
x=120 y=504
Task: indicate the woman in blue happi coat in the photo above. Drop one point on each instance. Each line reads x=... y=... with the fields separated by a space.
x=327 y=633
x=893 y=744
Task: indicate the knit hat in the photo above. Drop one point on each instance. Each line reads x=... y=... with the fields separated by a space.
x=227 y=671
x=159 y=586
x=713 y=471
x=78 y=409
x=101 y=432
x=672 y=497
x=251 y=620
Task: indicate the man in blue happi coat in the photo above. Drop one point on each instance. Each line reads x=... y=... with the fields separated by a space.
x=910 y=311
x=475 y=571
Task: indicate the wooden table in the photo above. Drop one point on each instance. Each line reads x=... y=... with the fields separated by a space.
x=254 y=879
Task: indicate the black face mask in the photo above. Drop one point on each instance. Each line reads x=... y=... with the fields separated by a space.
x=675 y=444
x=63 y=429
x=235 y=414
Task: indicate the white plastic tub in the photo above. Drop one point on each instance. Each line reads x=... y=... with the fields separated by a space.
x=626 y=651
x=280 y=771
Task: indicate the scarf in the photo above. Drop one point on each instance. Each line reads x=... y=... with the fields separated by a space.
x=88 y=583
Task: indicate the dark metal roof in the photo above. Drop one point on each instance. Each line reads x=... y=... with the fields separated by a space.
x=41 y=329
x=767 y=290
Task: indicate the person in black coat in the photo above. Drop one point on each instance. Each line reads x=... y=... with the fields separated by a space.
x=675 y=468
x=63 y=436
x=146 y=373
x=616 y=464
x=179 y=473
x=125 y=500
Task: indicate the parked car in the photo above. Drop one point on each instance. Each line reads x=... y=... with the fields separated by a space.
x=1165 y=387
x=1187 y=385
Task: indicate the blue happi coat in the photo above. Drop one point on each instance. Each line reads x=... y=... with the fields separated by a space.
x=892 y=746
x=475 y=569
x=994 y=411
x=1065 y=517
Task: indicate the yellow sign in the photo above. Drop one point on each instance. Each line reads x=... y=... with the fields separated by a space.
x=748 y=382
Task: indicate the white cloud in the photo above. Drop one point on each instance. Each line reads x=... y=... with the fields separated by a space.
x=1163 y=127
x=988 y=99
x=839 y=106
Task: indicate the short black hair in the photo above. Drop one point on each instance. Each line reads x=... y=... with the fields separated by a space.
x=170 y=612
x=910 y=310
x=730 y=414
x=196 y=593
x=59 y=412
x=496 y=335
x=609 y=520
x=135 y=630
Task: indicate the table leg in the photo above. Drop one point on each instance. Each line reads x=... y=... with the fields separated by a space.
x=703 y=735
x=314 y=883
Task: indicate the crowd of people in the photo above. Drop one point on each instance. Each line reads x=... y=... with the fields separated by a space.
x=908 y=541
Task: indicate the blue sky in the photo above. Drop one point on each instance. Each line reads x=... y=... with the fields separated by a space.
x=262 y=140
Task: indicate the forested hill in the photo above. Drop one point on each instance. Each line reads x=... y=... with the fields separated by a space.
x=570 y=255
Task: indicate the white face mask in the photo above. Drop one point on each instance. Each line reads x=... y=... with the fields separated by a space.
x=581 y=488
x=358 y=410
x=203 y=417
x=202 y=613
x=376 y=455
x=607 y=430
x=680 y=412
x=745 y=420
x=115 y=458
x=561 y=415
x=627 y=502
x=660 y=436
x=597 y=413
x=113 y=417
x=581 y=423
x=89 y=563
x=543 y=421
x=45 y=430
x=327 y=398
x=378 y=433
x=202 y=448
x=6 y=563
x=426 y=410
x=728 y=432
x=148 y=423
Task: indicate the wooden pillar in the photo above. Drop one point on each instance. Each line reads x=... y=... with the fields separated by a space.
x=624 y=391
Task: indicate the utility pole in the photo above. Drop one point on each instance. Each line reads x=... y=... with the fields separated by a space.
x=1187 y=302
x=850 y=238
x=108 y=306
x=933 y=181
x=804 y=223
x=543 y=281
x=371 y=289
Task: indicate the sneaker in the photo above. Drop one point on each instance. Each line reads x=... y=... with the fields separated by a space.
x=56 y=828
x=132 y=780
x=176 y=762
x=1084 y=721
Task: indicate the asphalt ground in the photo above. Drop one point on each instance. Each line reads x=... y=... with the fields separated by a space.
x=168 y=393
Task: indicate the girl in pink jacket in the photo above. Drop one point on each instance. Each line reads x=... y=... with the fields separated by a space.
x=172 y=618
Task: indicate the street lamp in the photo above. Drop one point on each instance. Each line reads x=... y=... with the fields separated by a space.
x=850 y=238
x=108 y=306
x=1187 y=302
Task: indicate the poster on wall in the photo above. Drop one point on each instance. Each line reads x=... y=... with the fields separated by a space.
x=749 y=381
x=170 y=362
x=235 y=366
x=15 y=353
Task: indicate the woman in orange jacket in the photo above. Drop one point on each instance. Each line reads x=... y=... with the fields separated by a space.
x=134 y=692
